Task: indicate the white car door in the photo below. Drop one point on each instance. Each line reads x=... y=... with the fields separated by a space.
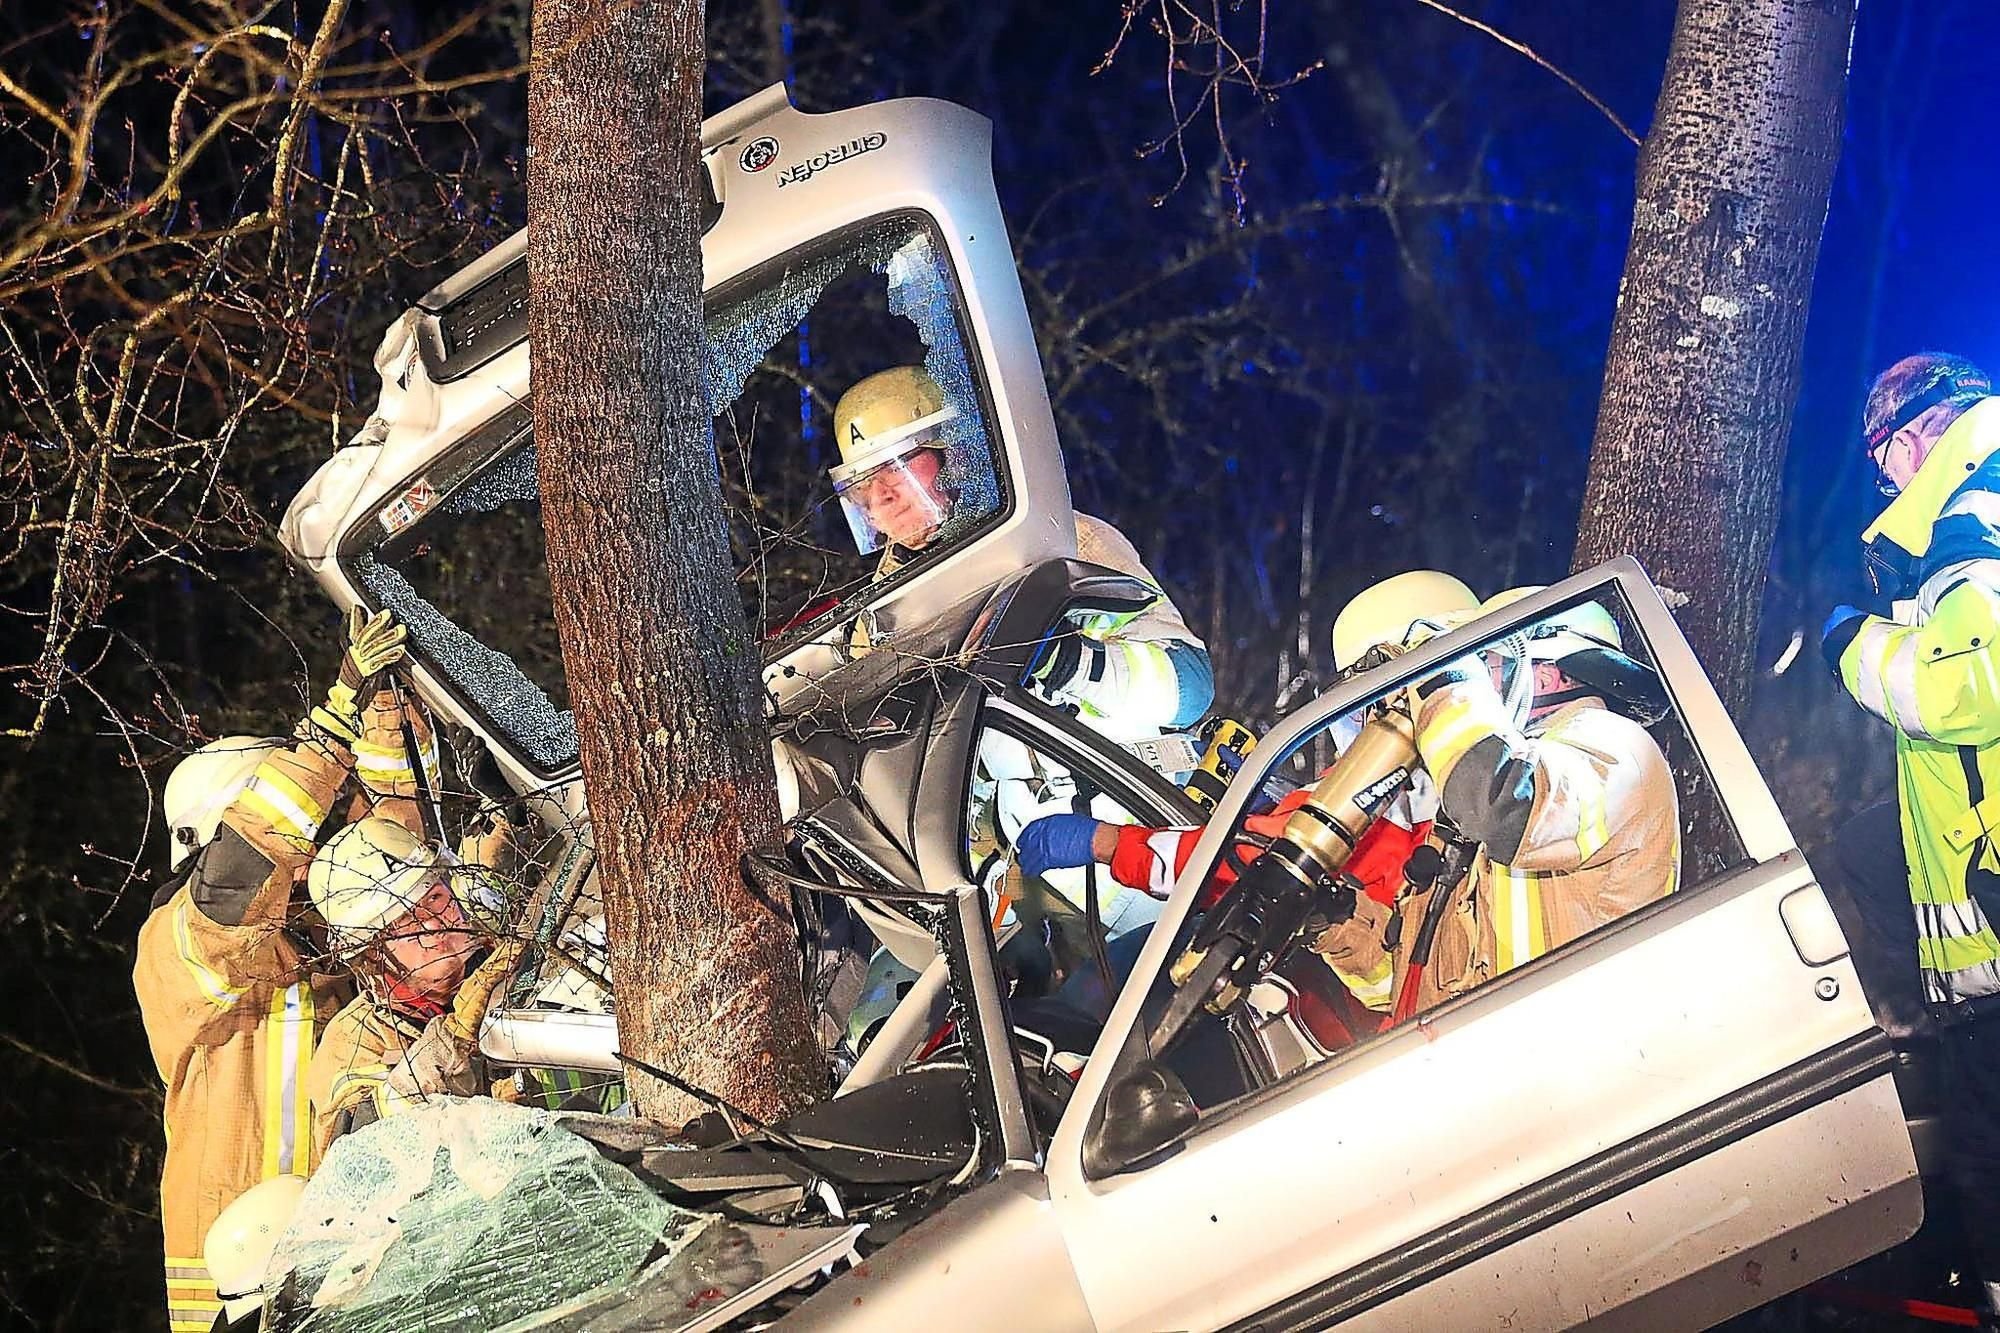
x=1679 y=1115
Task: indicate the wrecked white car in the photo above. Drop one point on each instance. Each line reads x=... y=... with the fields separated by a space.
x=1673 y=1118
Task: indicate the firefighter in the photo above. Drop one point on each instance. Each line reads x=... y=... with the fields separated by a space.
x=1132 y=674
x=230 y=1002
x=1570 y=802
x=410 y=920
x=1924 y=873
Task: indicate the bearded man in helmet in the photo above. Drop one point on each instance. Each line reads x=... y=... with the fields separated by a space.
x=1541 y=759
x=231 y=1003
x=1923 y=873
x=1132 y=674
x=409 y=920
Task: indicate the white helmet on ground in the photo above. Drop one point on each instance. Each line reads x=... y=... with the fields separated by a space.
x=367 y=875
x=205 y=784
x=1389 y=611
x=242 y=1238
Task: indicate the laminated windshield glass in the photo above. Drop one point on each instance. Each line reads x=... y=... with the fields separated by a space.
x=812 y=361
x=465 y=1215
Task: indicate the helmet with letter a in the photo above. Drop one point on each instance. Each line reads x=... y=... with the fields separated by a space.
x=891 y=475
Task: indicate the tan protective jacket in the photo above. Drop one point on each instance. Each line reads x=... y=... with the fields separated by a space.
x=360 y=1046
x=231 y=1009
x=1578 y=823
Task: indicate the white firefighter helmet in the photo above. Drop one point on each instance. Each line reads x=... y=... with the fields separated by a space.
x=878 y=425
x=1584 y=640
x=1389 y=611
x=1574 y=629
x=205 y=784
x=242 y=1238
x=367 y=875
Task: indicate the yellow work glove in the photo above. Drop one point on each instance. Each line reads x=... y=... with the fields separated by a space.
x=476 y=992
x=374 y=644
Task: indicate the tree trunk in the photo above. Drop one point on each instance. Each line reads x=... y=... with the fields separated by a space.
x=1703 y=369
x=662 y=668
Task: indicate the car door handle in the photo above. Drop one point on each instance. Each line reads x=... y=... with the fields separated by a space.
x=1814 y=930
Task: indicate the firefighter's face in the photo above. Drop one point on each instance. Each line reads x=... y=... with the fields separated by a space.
x=905 y=498
x=427 y=947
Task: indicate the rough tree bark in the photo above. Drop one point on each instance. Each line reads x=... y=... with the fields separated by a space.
x=1703 y=369
x=662 y=668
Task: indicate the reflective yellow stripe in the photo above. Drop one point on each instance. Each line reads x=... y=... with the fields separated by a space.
x=1956 y=954
x=1448 y=732
x=288 y=1033
x=1518 y=933
x=208 y=981
x=192 y=1303
x=283 y=804
x=304 y=1033
x=1593 y=830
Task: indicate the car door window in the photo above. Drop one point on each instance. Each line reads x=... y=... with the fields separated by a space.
x=1017 y=779
x=1507 y=807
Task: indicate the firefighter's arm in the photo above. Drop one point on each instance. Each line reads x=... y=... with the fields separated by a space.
x=1151 y=859
x=1162 y=684
x=1356 y=951
x=222 y=928
x=345 y=1081
x=383 y=764
x=1937 y=681
x=1534 y=804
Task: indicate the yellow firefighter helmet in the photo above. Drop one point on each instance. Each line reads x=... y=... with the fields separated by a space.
x=885 y=416
x=1389 y=611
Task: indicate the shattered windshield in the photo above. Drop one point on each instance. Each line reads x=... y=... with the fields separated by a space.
x=855 y=447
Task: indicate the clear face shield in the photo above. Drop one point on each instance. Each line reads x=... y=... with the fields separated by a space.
x=893 y=492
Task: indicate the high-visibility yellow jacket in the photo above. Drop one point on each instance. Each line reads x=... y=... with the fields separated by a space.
x=1578 y=823
x=1933 y=674
x=231 y=1008
x=1156 y=672
x=1160 y=676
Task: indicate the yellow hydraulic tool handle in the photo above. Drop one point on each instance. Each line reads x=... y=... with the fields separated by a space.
x=1211 y=776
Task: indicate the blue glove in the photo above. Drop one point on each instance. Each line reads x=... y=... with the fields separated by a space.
x=1054 y=842
x=1842 y=624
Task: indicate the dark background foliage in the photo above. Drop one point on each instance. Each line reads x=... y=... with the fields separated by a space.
x=1383 y=355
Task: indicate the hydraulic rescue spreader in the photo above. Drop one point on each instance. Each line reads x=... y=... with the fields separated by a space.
x=1295 y=880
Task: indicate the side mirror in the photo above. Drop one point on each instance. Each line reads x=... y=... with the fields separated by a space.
x=1144 y=1113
